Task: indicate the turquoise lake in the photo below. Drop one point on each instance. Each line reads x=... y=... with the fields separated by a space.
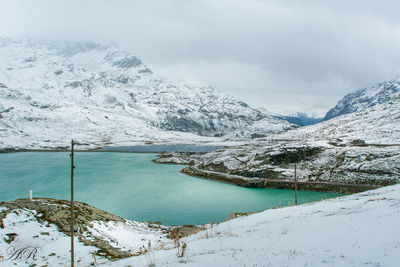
x=132 y=186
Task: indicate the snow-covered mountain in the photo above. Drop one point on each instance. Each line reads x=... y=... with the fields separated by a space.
x=99 y=94
x=364 y=98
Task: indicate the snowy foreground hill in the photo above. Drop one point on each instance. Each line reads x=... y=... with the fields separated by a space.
x=356 y=230
x=101 y=95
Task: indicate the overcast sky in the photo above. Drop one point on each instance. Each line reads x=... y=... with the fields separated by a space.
x=283 y=55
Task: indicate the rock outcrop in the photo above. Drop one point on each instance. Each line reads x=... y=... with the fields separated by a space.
x=57 y=212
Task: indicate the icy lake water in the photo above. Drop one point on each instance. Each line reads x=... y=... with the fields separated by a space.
x=132 y=186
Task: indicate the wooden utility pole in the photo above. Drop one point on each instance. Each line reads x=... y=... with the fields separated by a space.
x=295 y=184
x=72 y=203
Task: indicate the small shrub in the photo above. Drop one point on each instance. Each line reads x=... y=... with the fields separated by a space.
x=181 y=251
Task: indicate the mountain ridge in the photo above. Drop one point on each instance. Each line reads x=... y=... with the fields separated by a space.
x=104 y=95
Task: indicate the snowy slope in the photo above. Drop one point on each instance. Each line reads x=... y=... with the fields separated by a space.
x=320 y=166
x=99 y=94
x=355 y=102
x=356 y=230
x=41 y=226
x=378 y=124
x=44 y=241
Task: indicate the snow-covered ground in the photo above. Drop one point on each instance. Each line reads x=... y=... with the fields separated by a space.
x=315 y=161
x=39 y=228
x=356 y=230
x=44 y=241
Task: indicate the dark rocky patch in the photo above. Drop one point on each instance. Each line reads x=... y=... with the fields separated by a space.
x=10 y=237
x=358 y=142
x=128 y=62
x=290 y=155
x=261 y=173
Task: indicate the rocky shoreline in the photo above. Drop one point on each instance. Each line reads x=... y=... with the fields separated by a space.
x=279 y=184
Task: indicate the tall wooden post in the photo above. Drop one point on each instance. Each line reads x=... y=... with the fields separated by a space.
x=72 y=203
x=295 y=184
